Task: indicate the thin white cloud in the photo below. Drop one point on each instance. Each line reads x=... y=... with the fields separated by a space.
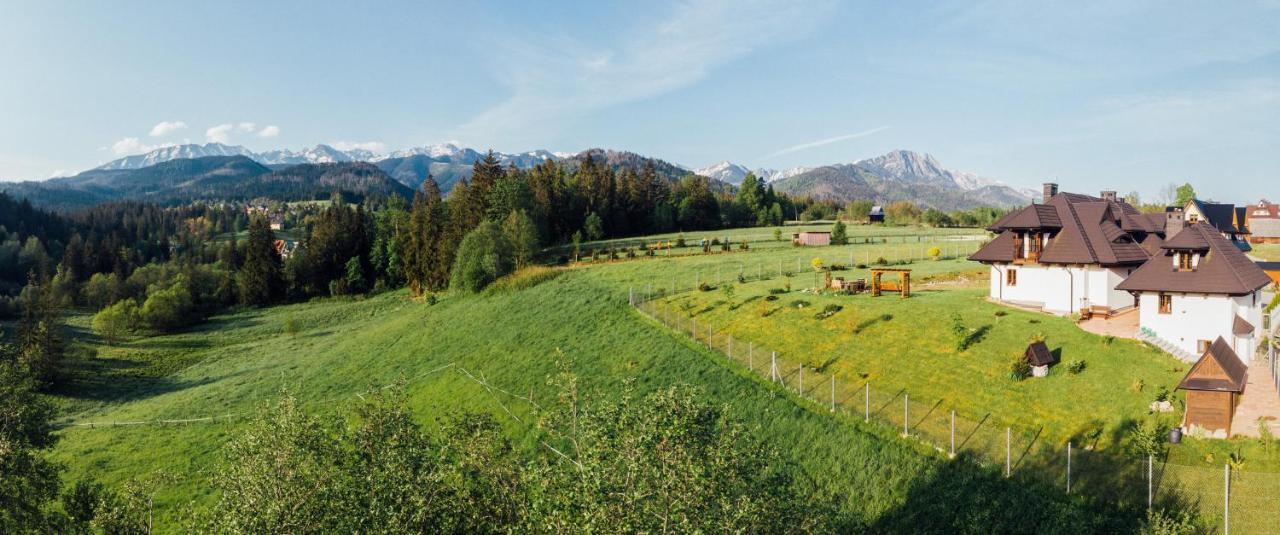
x=220 y=133
x=248 y=127
x=375 y=147
x=133 y=145
x=827 y=141
x=269 y=131
x=164 y=128
x=555 y=81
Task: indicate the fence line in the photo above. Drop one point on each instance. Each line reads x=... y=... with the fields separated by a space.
x=1148 y=482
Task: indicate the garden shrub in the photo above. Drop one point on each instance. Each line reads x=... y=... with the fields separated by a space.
x=1075 y=366
x=680 y=241
x=704 y=287
x=880 y=261
x=935 y=252
x=743 y=246
x=799 y=304
x=1019 y=369
x=828 y=311
x=1162 y=522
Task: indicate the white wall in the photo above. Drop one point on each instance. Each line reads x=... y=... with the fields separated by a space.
x=1197 y=317
x=1061 y=290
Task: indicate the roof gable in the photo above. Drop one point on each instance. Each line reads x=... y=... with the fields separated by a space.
x=1219 y=369
x=1223 y=268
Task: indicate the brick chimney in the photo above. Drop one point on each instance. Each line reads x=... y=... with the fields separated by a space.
x=1173 y=223
x=1108 y=196
x=1050 y=189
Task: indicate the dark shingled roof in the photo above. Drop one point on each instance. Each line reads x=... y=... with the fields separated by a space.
x=1189 y=241
x=1202 y=375
x=1223 y=269
x=1242 y=219
x=1241 y=327
x=1038 y=354
x=1219 y=215
x=1086 y=230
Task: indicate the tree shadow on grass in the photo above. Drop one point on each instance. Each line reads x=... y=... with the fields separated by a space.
x=121 y=380
x=977 y=336
x=864 y=324
x=961 y=496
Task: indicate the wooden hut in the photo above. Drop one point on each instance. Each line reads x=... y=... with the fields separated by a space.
x=811 y=238
x=876 y=215
x=1040 y=358
x=1213 y=384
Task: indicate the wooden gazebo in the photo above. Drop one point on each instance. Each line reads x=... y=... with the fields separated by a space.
x=1212 y=385
x=902 y=285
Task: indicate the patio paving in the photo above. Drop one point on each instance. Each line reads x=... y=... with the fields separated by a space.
x=1259 y=400
x=1123 y=325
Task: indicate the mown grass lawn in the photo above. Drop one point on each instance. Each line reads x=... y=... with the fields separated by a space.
x=1267 y=251
x=908 y=345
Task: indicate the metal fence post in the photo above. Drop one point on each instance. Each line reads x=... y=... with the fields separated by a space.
x=1068 y=468
x=1226 y=499
x=1008 y=451
x=751 y=356
x=866 y=402
x=906 y=402
x=631 y=296
x=773 y=368
x=833 y=393
x=1150 y=488
x=953 y=434
x=801 y=380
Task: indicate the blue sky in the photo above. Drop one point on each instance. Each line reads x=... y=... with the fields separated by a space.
x=1127 y=96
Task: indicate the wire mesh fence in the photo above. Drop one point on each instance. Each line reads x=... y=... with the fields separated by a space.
x=1235 y=500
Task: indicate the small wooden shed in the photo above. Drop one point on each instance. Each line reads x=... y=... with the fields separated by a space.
x=1040 y=358
x=1213 y=385
x=811 y=238
x=876 y=215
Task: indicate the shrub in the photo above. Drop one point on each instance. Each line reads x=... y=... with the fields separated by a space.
x=715 y=241
x=1075 y=366
x=742 y=246
x=839 y=235
x=881 y=261
x=168 y=308
x=816 y=263
x=861 y=266
x=1145 y=438
x=431 y=299
x=1001 y=313
x=116 y=320
x=680 y=241
x=1108 y=340
x=1019 y=369
x=704 y=287
x=799 y=304
x=1137 y=385
x=777 y=234
x=1162 y=522
x=959 y=332
x=828 y=311
x=483 y=256
x=935 y=252
x=726 y=246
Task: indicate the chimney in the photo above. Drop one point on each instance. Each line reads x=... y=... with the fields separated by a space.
x=1050 y=189
x=1173 y=223
x=1108 y=196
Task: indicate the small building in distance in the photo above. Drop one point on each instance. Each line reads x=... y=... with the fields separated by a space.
x=1213 y=385
x=1263 y=220
x=811 y=238
x=1040 y=358
x=876 y=215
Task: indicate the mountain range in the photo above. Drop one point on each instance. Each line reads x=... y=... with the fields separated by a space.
x=212 y=170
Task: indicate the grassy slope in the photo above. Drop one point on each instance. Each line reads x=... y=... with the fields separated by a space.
x=235 y=362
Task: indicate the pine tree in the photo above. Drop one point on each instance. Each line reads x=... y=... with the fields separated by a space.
x=260 y=280
x=39 y=343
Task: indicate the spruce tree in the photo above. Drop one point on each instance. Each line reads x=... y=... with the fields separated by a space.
x=260 y=281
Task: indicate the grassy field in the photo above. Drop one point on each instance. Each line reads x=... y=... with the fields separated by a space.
x=224 y=370
x=1267 y=251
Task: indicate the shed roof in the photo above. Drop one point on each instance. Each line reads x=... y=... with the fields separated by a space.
x=1038 y=354
x=1241 y=327
x=1219 y=369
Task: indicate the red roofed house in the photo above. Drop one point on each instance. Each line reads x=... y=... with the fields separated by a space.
x=1263 y=220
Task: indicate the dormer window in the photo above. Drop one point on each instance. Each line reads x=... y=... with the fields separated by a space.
x=1193 y=218
x=1184 y=261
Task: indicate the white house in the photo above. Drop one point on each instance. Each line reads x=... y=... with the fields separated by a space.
x=1199 y=288
x=1070 y=253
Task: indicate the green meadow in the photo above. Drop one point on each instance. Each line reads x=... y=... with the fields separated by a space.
x=158 y=408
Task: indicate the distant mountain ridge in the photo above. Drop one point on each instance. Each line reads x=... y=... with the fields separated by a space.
x=733 y=173
x=903 y=175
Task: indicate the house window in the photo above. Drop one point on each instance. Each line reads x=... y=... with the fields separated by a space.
x=1184 y=261
x=1011 y=277
x=1166 y=304
x=1202 y=346
x=1193 y=218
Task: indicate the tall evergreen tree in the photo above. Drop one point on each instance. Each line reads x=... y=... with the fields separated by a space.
x=260 y=280
x=39 y=342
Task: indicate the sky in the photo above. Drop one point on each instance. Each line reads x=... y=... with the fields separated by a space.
x=1107 y=95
